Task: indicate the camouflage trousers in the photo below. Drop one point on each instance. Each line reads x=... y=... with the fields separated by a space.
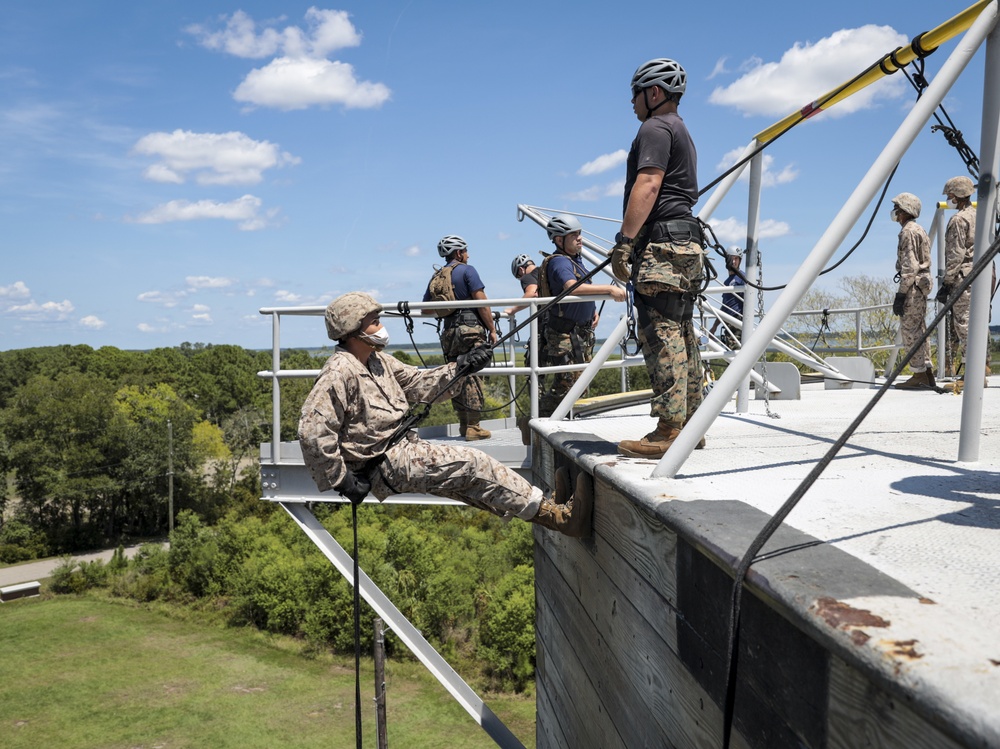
x=575 y=347
x=456 y=341
x=960 y=318
x=673 y=361
x=912 y=325
x=456 y=472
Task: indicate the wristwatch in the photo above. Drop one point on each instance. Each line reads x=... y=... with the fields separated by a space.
x=622 y=239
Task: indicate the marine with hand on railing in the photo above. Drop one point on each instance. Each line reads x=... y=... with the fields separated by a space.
x=569 y=328
x=352 y=443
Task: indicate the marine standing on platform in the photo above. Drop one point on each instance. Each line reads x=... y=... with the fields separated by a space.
x=659 y=248
x=569 y=328
x=359 y=401
x=523 y=268
x=913 y=269
x=959 y=244
x=463 y=330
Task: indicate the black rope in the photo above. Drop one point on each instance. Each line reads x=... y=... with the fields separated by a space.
x=357 y=632
x=778 y=518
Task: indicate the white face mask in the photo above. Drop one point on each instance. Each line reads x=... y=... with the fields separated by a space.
x=953 y=202
x=377 y=340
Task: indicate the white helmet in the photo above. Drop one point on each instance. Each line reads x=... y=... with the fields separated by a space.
x=960 y=187
x=662 y=72
x=908 y=203
x=451 y=243
x=519 y=262
x=562 y=224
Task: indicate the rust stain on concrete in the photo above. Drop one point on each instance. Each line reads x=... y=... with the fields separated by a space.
x=903 y=649
x=840 y=615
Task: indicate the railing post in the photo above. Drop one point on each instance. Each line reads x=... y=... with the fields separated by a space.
x=275 y=387
x=979 y=308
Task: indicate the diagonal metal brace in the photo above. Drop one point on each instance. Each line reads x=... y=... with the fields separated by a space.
x=410 y=635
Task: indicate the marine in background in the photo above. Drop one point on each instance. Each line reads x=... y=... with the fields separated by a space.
x=463 y=329
x=913 y=273
x=360 y=400
x=569 y=328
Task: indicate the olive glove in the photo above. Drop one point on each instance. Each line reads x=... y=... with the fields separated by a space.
x=898 y=304
x=621 y=259
x=943 y=293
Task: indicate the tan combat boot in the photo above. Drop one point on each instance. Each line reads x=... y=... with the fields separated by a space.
x=919 y=381
x=653 y=445
x=475 y=432
x=570 y=516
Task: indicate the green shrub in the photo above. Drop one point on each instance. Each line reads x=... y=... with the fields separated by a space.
x=20 y=542
x=507 y=630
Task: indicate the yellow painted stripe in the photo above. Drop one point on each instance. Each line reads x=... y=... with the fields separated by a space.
x=930 y=40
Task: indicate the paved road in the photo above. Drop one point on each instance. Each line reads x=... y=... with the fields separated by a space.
x=25 y=573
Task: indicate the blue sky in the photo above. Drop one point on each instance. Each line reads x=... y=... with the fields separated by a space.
x=171 y=167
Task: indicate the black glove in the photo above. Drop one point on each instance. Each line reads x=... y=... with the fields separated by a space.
x=943 y=293
x=472 y=361
x=897 y=304
x=354 y=486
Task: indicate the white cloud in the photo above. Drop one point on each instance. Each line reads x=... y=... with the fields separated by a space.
x=164 y=298
x=612 y=190
x=768 y=177
x=46 y=312
x=730 y=231
x=329 y=30
x=603 y=163
x=208 y=282
x=719 y=69
x=296 y=83
x=300 y=74
x=93 y=322
x=231 y=158
x=809 y=70
x=17 y=290
x=147 y=328
x=243 y=210
x=412 y=251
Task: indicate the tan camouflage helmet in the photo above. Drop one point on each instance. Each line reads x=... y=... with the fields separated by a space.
x=908 y=203
x=345 y=313
x=960 y=187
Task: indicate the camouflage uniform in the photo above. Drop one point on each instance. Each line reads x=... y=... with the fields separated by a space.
x=456 y=341
x=960 y=238
x=670 y=348
x=561 y=349
x=354 y=409
x=913 y=264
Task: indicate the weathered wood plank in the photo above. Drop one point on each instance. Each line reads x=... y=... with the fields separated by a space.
x=642 y=541
x=548 y=732
x=861 y=714
x=621 y=640
x=576 y=703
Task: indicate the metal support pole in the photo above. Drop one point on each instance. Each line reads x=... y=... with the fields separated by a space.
x=709 y=206
x=379 y=654
x=275 y=388
x=533 y=364
x=170 y=476
x=979 y=307
x=753 y=223
x=585 y=378
x=827 y=245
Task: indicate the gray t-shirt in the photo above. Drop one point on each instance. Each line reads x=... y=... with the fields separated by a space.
x=663 y=142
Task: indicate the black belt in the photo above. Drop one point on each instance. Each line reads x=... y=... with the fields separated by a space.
x=678 y=230
x=673 y=305
x=565 y=324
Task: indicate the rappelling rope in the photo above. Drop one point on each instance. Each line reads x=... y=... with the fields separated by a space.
x=778 y=518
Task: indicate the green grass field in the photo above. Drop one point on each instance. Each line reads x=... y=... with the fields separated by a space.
x=81 y=673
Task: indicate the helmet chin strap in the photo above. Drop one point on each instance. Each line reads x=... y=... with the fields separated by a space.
x=645 y=99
